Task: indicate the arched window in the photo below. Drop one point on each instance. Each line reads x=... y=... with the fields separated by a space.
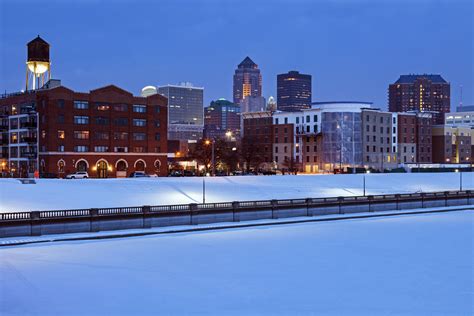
x=140 y=165
x=121 y=165
x=157 y=166
x=81 y=165
x=42 y=166
x=61 y=165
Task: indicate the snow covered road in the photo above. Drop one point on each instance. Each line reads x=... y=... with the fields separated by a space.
x=411 y=265
x=50 y=194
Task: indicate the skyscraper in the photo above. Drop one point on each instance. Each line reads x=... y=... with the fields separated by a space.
x=247 y=81
x=185 y=111
x=221 y=117
x=293 y=91
x=421 y=93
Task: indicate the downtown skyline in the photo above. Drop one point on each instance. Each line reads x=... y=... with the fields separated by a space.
x=350 y=55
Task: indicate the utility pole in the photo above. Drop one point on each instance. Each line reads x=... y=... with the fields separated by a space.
x=213 y=158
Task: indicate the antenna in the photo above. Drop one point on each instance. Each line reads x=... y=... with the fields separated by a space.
x=460 y=102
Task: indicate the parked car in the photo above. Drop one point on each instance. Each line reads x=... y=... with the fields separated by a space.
x=138 y=174
x=78 y=175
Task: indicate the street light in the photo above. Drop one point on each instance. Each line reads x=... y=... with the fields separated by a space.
x=207 y=142
x=368 y=171
x=460 y=178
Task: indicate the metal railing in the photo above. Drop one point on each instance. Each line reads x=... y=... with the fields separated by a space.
x=233 y=206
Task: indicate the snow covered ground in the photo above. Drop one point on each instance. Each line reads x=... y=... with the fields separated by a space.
x=409 y=265
x=50 y=194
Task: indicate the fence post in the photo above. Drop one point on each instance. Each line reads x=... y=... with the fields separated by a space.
x=192 y=208
x=308 y=201
x=468 y=193
x=369 y=200
x=274 y=204
x=446 y=193
x=235 y=208
x=146 y=218
x=339 y=200
x=422 y=199
x=35 y=223
x=94 y=222
x=397 y=201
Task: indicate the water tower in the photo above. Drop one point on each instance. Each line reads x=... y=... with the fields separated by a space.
x=38 y=64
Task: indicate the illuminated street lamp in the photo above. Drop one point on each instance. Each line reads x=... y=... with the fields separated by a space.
x=368 y=171
x=207 y=142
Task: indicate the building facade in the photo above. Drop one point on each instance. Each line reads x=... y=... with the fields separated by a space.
x=253 y=104
x=107 y=132
x=185 y=111
x=257 y=138
x=222 y=119
x=293 y=91
x=380 y=139
x=247 y=81
x=422 y=93
x=452 y=144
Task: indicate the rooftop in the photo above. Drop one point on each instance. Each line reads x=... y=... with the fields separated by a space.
x=413 y=77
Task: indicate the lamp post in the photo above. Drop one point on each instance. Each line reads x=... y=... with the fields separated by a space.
x=204 y=189
x=213 y=165
x=368 y=171
x=460 y=178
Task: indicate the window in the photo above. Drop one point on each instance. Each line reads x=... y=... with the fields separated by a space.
x=307 y=149
x=121 y=149
x=307 y=128
x=276 y=149
x=60 y=119
x=101 y=149
x=139 y=122
x=139 y=108
x=81 y=120
x=157 y=136
x=61 y=104
x=286 y=120
x=276 y=121
x=297 y=120
x=157 y=109
x=139 y=136
x=81 y=105
x=138 y=149
x=157 y=123
x=307 y=158
x=61 y=148
x=81 y=134
x=121 y=121
x=61 y=134
x=367 y=128
x=315 y=118
x=81 y=149
x=121 y=107
x=120 y=136
x=102 y=107
x=101 y=135
x=315 y=149
x=100 y=120
x=43 y=134
x=307 y=118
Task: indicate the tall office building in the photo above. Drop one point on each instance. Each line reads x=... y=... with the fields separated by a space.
x=421 y=93
x=222 y=119
x=185 y=111
x=293 y=91
x=247 y=81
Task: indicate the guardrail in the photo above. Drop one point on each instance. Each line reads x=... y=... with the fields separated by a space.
x=96 y=219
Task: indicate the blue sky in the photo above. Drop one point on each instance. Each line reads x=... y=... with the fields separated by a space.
x=353 y=49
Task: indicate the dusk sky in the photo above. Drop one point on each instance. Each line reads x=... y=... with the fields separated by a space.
x=353 y=49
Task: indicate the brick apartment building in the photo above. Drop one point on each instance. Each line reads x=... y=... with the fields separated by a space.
x=257 y=130
x=107 y=132
x=415 y=137
x=421 y=93
x=452 y=144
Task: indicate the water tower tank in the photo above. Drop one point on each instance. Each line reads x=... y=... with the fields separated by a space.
x=38 y=62
x=38 y=50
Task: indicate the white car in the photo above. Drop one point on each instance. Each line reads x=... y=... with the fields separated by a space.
x=78 y=175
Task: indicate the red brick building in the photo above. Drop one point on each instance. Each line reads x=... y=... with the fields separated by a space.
x=107 y=132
